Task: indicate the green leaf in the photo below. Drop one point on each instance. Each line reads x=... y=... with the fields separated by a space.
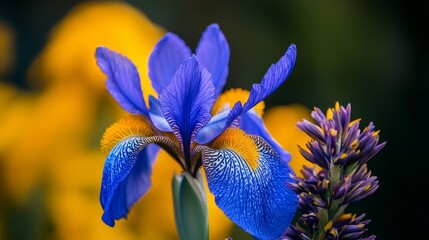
x=190 y=207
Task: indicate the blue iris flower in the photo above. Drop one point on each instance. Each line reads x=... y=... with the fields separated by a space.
x=245 y=167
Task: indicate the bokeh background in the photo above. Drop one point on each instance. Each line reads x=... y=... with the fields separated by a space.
x=53 y=106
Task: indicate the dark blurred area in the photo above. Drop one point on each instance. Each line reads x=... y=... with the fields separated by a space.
x=372 y=54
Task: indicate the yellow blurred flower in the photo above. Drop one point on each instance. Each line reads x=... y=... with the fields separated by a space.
x=70 y=51
x=281 y=123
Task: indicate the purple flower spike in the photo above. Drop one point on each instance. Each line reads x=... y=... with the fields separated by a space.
x=340 y=152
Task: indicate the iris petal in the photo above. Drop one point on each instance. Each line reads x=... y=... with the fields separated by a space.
x=220 y=122
x=254 y=125
x=257 y=200
x=157 y=116
x=274 y=77
x=213 y=53
x=213 y=128
x=186 y=102
x=123 y=81
x=167 y=56
x=126 y=177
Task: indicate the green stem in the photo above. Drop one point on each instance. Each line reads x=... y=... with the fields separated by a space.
x=190 y=206
x=330 y=215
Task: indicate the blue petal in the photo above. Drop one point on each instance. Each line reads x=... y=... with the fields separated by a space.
x=252 y=124
x=256 y=200
x=219 y=124
x=156 y=115
x=126 y=177
x=123 y=81
x=187 y=101
x=213 y=52
x=213 y=128
x=274 y=77
x=167 y=56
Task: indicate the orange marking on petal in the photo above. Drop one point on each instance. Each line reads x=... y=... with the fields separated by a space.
x=241 y=143
x=329 y=114
x=131 y=125
x=354 y=122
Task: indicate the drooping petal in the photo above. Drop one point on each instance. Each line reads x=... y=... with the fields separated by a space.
x=186 y=102
x=123 y=81
x=213 y=53
x=248 y=179
x=167 y=56
x=252 y=124
x=126 y=177
x=156 y=115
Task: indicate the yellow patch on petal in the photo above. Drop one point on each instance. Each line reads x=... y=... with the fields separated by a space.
x=337 y=106
x=329 y=114
x=328 y=225
x=375 y=134
x=354 y=122
x=227 y=100
x=131 y=125
x=237 y=140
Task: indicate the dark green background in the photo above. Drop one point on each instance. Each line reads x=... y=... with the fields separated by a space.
x=372 y=54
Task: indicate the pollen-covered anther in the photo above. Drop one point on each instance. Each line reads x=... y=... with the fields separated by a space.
x=237 y=140
x=132 y=125
x=329 y=114
x=354 y=122
x=227 y=100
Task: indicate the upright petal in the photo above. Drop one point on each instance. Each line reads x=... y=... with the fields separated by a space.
x=167 y=56
x=248 y=179
x=123 y=81
x=126 y=177
x=274 y=77
x=186 y=102
x=213 y=52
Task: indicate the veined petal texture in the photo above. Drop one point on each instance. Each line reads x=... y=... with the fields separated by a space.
x=252 y=194
x=123 y=81
x=252 y=124
x=274 y=77
x=126 y=176
x=213 y=53
x=186 y=102
x=167 y=56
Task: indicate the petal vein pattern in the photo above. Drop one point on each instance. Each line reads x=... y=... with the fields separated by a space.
x=187 y=101
x=123 y=81
x=213 y=52
x=255 y=199
x=126 y=176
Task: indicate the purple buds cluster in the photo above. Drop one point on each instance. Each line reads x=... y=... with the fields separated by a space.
x=339 y=151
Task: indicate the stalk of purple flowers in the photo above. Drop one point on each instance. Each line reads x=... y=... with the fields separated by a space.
x=340 y=152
